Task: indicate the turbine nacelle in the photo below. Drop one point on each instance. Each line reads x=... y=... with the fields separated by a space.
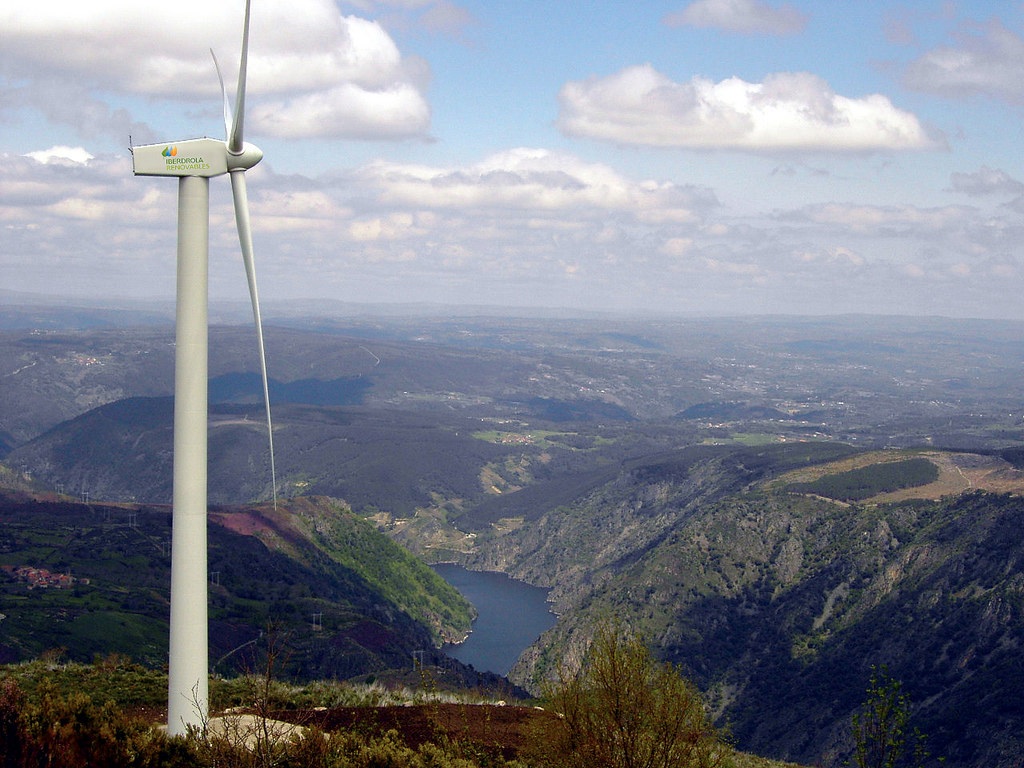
x=193 y=157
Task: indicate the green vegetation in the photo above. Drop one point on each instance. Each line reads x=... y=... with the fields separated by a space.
x=375 y=603
x=73 y=731
x=402 y=578
x=785 y=598
x=863 y=483
x=107 y=714
x=127 y=685
x=880 y=727
x=623 y=709
x=544 y=438
x=755 y=438
x=776 y=603
x=789 y=598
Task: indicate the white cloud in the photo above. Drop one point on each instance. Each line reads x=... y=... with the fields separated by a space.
x=526 y=225
x=329 y=74
x=885 y=219
x=988 y=61
x=537 y=180
x=346 y=112
x=985 y=181
x=76 y=225
x=395 y=226
x=61 y=154
x=677 y=246
x=742 y=16
x=848 y=257
x=296 y=211
x=788 y=111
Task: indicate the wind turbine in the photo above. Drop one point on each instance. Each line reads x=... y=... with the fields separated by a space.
x=194 y=162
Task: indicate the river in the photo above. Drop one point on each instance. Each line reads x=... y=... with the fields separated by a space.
x=512 y=615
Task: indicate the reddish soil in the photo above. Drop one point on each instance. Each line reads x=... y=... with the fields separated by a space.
x=244 y=523
x=505 y=730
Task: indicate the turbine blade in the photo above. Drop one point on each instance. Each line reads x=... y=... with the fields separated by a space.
x=241 y=199
x=237 y=124
x=224 y=96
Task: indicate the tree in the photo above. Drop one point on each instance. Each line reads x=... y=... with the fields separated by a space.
x=879 y=728
x=623 y=709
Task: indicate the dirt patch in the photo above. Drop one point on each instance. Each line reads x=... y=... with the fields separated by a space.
x=244 y=523
x=505 y=730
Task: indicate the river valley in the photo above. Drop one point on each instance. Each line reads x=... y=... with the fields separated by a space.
x=512 y=615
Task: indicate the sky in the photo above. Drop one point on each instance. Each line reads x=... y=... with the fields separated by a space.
x=713 y=157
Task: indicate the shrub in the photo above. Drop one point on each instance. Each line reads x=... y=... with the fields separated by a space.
x=879 y=728
x=71 y=730
x=623 y=709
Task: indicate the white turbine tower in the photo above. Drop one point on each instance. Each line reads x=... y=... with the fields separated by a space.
x=194 y=162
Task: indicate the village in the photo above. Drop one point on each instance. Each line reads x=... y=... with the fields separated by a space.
x=42 y=578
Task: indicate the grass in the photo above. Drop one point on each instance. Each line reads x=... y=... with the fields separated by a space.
x=122 y=682
x=755 y=439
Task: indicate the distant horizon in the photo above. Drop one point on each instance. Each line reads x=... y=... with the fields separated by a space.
x=241 y=312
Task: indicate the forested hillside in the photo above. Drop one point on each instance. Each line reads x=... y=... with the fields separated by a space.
x=779 y=604
x=340 y=598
